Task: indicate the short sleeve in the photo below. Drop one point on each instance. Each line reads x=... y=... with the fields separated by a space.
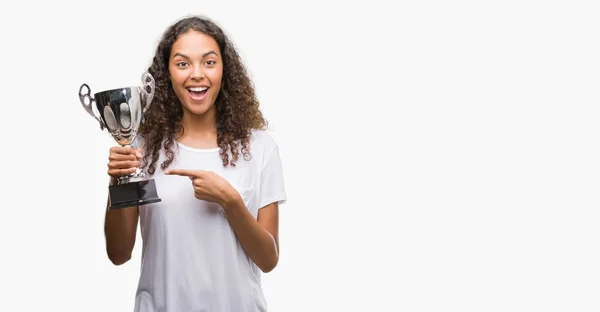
x=272 y=187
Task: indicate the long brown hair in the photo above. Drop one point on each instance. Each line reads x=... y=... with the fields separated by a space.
x=237 y=107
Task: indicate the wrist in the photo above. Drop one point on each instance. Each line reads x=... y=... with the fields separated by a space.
x=232 y=200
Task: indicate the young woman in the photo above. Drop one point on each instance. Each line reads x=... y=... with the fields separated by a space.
x=218 y=173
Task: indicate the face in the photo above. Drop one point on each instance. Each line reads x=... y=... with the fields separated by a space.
x=196 y=70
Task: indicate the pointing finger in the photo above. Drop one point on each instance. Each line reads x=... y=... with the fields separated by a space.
x=182 y=172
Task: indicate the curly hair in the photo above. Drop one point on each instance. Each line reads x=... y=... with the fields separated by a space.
x=237 y=107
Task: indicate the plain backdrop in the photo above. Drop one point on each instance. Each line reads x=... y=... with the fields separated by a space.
x=438 y=155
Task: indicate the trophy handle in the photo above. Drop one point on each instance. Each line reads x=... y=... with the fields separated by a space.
x=148 y=82
x=87 y=101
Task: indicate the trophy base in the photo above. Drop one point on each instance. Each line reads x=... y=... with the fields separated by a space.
x=133 y=194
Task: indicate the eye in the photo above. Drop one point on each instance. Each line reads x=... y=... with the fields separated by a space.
x=181 y=64
x=211 y=62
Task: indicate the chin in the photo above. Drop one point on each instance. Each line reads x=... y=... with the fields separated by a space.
x=198 y=109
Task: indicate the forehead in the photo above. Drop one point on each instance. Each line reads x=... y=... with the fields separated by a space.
x=194 y=43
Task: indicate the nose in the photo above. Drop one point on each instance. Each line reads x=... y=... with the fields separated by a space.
x=197 y=73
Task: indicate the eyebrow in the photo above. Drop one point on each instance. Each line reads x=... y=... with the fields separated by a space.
x=203 y=55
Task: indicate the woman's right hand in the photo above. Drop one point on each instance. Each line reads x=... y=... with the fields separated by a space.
x=123 y=161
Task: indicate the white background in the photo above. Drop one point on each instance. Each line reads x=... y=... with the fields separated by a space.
x=439 y=155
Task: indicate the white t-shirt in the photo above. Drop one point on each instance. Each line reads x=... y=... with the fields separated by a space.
x=191 y=259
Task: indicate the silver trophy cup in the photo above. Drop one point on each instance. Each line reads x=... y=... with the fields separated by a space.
x=121 y=112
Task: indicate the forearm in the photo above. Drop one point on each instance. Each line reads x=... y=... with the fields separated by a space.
x=257 y=242
x=120 y=226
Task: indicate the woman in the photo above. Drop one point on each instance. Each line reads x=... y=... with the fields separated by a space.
x=219 y=176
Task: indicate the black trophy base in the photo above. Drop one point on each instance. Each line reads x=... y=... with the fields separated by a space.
x=133 y=194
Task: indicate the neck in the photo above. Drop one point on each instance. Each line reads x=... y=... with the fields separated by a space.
x=199 y=131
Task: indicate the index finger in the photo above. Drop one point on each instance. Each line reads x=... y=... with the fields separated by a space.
x=125 y=150
x=124 y=153
x=182 y=172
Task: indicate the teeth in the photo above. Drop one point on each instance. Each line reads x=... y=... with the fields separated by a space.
x=198 y=89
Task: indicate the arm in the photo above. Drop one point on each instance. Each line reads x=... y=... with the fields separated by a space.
x=259 y=238
x=120 y=226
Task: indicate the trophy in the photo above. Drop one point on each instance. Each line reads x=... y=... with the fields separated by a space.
x=121 y=113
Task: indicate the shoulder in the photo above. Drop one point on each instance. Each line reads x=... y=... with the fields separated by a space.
x=262 y=140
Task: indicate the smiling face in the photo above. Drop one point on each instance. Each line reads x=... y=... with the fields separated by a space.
x=196 y=70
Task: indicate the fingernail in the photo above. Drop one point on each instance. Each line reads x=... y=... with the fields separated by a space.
x=139 y=154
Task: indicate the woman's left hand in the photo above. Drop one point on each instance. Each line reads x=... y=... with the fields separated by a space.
x=208 y=185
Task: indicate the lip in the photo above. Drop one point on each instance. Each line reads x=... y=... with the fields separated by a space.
x=197 y=98
x=197 y=86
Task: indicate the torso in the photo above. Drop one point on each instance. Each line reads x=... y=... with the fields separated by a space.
x=191 y=259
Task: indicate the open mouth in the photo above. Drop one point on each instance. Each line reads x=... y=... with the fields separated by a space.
x=197 y=93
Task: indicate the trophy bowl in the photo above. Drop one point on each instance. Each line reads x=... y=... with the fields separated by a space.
x=120 y=111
